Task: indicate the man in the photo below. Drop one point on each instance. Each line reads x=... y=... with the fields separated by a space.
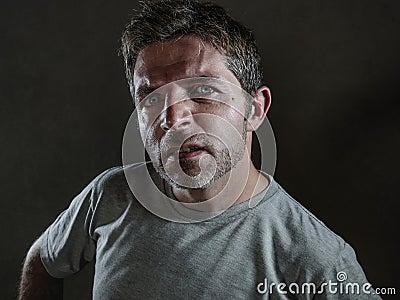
x=211 y=226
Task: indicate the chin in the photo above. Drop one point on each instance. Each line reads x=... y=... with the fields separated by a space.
x=195 y=183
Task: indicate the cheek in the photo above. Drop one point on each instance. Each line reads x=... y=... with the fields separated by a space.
x=147 y=129
x=226 y=125
x=225 y=116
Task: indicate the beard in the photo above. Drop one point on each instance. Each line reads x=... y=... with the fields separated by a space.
x=200 y=173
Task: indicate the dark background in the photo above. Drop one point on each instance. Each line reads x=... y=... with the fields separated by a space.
x=333 y=68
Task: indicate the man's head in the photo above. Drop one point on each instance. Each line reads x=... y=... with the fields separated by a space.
x=163 y=20
x=186 y=64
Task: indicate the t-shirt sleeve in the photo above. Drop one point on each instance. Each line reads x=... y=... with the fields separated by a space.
x=66 y=243
x=346 y=279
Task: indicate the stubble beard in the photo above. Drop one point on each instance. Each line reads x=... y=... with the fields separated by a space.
x=225 y=161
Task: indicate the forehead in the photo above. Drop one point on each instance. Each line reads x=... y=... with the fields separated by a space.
x=186 y=57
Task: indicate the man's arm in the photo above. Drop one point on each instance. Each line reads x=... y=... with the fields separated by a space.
x=36 y=283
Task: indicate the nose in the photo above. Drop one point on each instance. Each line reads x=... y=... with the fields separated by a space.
x=177 y=112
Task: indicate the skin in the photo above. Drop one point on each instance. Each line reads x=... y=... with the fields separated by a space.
x=158 y=67
x=36 y=283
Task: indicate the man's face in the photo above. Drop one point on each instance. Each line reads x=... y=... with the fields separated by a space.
x=191 y=112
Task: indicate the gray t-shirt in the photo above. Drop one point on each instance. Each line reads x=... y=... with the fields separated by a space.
x=243 y=253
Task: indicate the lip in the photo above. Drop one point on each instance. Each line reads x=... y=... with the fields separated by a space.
x=173 y=150
x=190 y=155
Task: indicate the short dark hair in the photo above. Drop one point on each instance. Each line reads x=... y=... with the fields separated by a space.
x=166 y=19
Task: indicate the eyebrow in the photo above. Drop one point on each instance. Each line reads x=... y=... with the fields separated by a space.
x=144 y=91
x=205 y=77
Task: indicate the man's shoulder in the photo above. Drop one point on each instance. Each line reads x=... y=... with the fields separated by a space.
x=112 y=185
x=299 y=234
x=111 y=195
x=114 y=177
x=123 y=182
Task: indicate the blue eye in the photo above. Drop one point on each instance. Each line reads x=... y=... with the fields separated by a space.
x=151 y=100
x=201 y=91
x=204 y=89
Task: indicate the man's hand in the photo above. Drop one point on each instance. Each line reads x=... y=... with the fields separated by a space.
x=36 y=283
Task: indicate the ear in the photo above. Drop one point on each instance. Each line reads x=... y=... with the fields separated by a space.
x=259 y=108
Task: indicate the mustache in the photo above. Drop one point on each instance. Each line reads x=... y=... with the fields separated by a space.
x=173 y=142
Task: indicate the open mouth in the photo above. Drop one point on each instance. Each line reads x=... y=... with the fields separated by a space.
x=186 y=152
